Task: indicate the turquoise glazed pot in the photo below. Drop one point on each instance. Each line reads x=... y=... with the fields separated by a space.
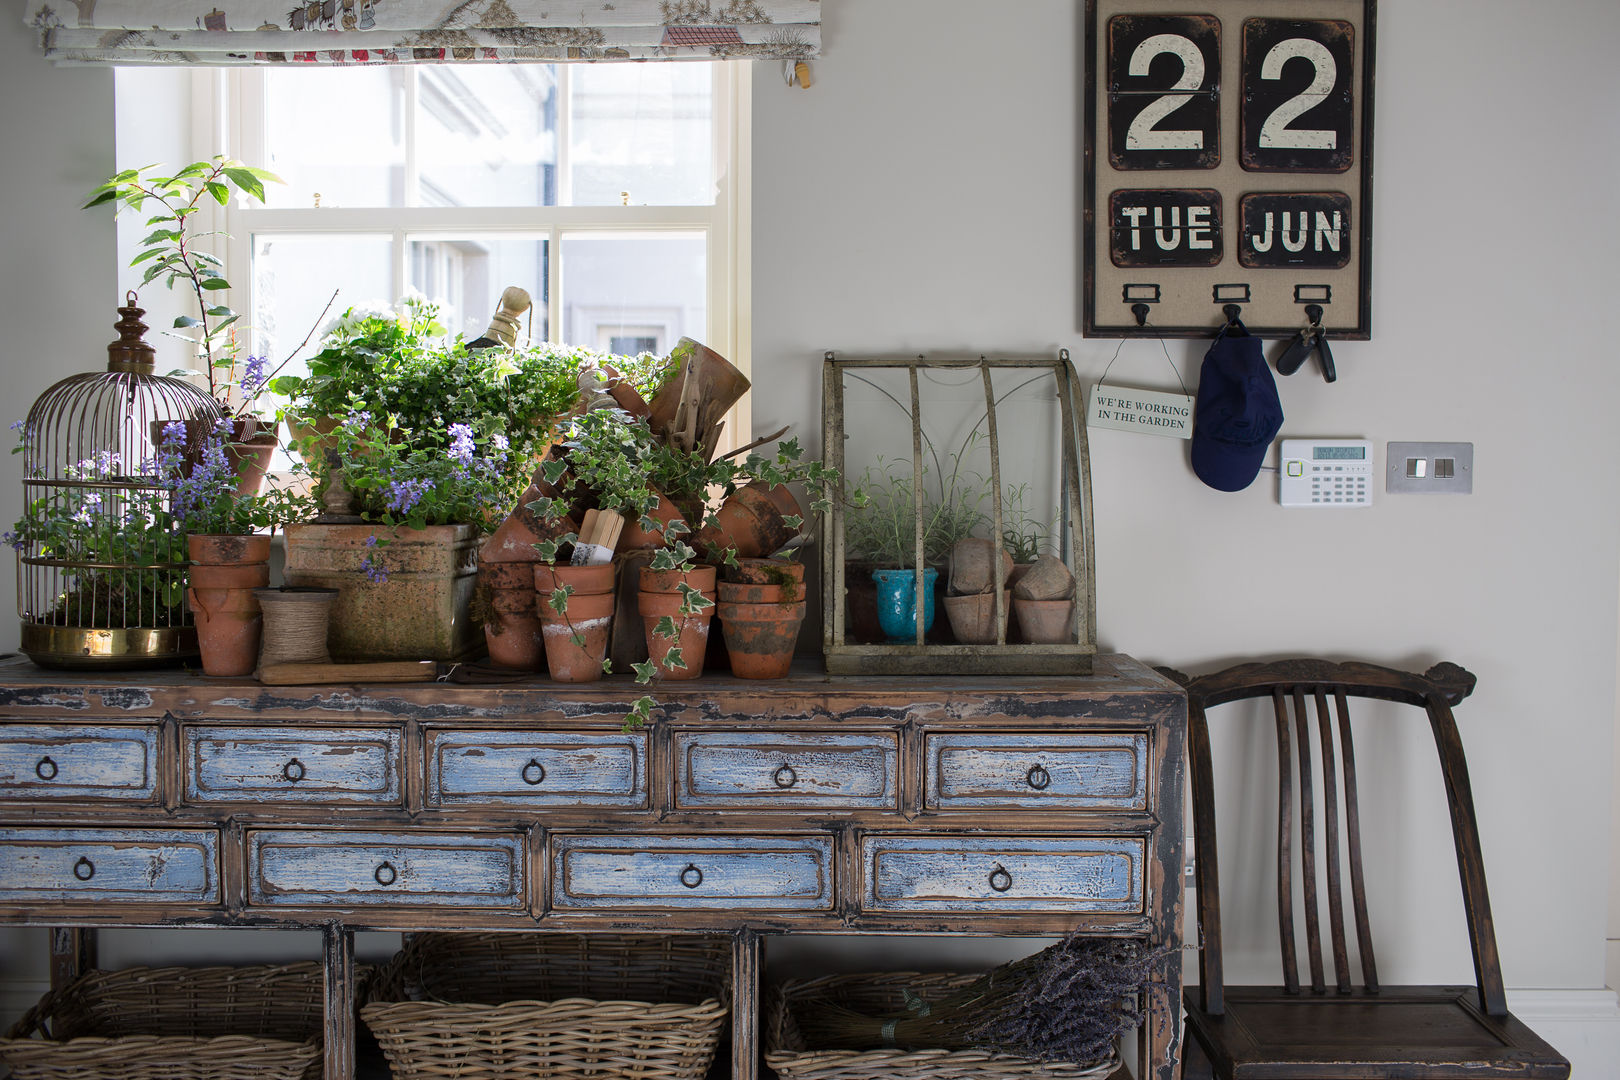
x=897 y=602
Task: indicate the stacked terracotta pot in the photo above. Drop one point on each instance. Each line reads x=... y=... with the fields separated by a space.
x=224 y=571
x=576 y=638
x=762 y=605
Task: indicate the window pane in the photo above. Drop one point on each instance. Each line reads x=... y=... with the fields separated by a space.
x=646 y=129
x=293 y=278
x=464 y=275
x=639 y=287
x=337 y=131
x=487 y=135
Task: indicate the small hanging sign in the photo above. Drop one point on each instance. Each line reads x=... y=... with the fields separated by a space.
x=1146 y=412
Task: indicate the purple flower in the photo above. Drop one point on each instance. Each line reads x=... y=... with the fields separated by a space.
x=253 y=378
x=461 y=443
x=14 y=540
x=403 y=495
x=174 y=433
x=357 y=422
x=375 y=573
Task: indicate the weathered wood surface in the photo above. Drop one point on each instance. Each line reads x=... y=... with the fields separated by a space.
x=813 y=804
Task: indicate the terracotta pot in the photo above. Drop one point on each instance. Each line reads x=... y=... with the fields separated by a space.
x=635 y=538
x=514 y=539
x=251 y=458
x=229 y=628
x=973 y=618
x=589 y=618
x=320 y=431
x=1045 y=621
x=695 y=398
x=766 y=571
x=514 y=635
x=221 y=548
x=700 y=578
x=238 y=576
x=624 y=394
x=507 y=575
x=752 y=521
x=760 y=637
x=692 y=633
x=586 y=580
x=732 y=592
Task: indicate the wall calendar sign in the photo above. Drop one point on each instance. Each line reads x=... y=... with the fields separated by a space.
x=1228 y=161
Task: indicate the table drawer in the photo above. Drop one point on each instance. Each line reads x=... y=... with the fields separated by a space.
x=53 y=761
x=320 y=866
x=988 y=874
x=136 y=865
x=1032 y=771
x=730 y=768
x=761 y=873
x=518 y=768
x=307 y=765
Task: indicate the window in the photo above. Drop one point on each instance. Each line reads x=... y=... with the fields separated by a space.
x=611 y=192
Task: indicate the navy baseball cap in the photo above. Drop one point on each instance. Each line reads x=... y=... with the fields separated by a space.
x=1237 y=416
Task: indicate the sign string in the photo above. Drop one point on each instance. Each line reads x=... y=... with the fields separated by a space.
x=1177 y=371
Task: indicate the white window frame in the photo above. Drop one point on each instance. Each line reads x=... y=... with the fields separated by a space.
x=228 y=113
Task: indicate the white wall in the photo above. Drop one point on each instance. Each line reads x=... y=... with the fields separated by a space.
x=923 y=195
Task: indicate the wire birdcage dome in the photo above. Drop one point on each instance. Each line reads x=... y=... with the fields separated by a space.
x=101 y=562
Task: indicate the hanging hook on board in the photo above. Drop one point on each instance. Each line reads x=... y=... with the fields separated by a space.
x=1311 y=339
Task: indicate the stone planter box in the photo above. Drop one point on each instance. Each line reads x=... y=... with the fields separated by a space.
x=421 y=612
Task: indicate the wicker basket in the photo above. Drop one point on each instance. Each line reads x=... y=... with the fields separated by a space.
x=885 y=992
x=552 y=1005
x=256 y=1022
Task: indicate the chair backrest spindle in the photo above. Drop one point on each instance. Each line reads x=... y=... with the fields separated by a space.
x=1330 y=840
x=1285 y=840
x=1352 y=824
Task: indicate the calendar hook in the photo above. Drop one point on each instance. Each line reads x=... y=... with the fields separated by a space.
x=1141 y=313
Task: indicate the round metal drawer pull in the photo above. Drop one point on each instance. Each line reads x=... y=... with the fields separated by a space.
x=45 y=768
x=691 y=877
x=1038 y=778
x=534 y=772
x=84 y=869
x=385 y=874
x=293 y=771
x=785 y=777
x=1000 y=880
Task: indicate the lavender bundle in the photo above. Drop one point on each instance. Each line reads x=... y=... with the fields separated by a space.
x=1068 y=1002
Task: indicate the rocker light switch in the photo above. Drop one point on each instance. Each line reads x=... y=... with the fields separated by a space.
x=1442 y=468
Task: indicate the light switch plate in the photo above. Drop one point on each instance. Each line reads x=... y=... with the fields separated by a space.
x=1429 y=467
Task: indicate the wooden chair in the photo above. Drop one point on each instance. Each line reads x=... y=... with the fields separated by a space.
x=1338 y=1030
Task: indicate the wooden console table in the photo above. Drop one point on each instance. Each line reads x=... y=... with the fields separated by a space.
x=813 y=804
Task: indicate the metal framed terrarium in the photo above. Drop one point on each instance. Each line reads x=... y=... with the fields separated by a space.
x=960 y=541
x=101 y=563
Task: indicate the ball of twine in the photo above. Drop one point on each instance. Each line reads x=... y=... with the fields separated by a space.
x=295 y=624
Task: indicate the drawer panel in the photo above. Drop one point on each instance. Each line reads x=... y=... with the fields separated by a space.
x=764 y=873
x=136 y=865
x=57 y=761
x=317 y=866
x=987 y=874
x=519 y=768
x=783 y=770
x=1030 y=771
x=329 y=765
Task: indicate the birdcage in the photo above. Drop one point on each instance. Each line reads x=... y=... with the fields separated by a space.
x=101 y=562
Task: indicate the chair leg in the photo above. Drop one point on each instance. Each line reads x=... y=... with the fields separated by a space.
x=1195 y=1064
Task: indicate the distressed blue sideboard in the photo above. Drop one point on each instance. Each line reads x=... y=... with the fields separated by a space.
x=811 y=804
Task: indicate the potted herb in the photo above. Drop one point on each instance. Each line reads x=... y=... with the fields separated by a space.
x=228 y=541
x=171 y=253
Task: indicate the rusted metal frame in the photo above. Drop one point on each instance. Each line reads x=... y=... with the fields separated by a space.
x=1206 y=867
x=1470 y=858
x=999 y=572
x=337 y=948
x=1307 y=842
x=1352 y=821
x=1077 y=490
x=1330 y=801
x=919 y=593
x=1285 y=831
x=832 y=454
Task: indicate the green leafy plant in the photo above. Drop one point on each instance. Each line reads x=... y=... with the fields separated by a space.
x=1023 y=536
x=171 y=253
x=881 y=519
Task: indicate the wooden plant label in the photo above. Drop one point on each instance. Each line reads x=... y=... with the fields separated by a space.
x=1146 y=412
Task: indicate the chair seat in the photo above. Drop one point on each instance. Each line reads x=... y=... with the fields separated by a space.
x=1431 y=1032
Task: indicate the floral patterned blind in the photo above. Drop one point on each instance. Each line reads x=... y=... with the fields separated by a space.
x=228 y=32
